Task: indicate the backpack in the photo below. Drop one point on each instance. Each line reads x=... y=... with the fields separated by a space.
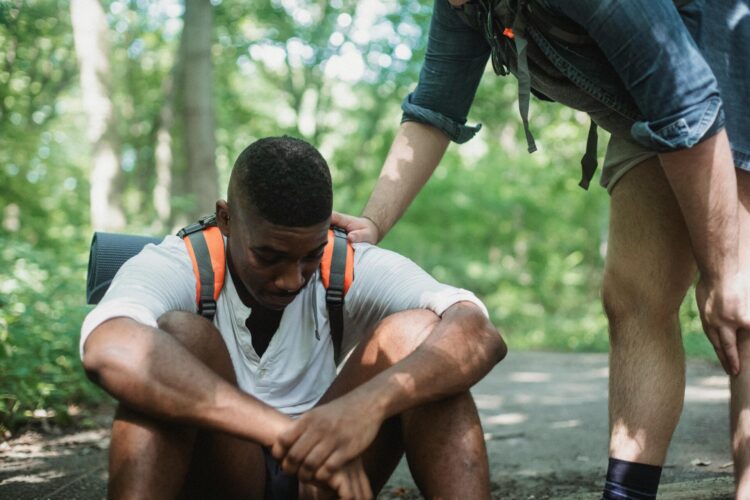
x=503 y=24
x=205 y=246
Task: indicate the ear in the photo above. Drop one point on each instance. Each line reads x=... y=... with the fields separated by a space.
x=222 y=216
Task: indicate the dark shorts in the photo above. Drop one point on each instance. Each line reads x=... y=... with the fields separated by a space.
x=279 y=486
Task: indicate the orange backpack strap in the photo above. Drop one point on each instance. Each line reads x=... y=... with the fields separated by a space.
x=337 y=274
x=205 y=245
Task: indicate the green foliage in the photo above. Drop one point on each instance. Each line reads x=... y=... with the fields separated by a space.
x=513 y=227
x=41 y=312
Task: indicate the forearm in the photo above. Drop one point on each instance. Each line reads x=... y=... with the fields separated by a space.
x=415 y=153
x=151 y=371
x=704 y=181
x=462 y=348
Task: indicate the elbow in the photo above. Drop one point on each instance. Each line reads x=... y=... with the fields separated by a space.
x=497 y=347
x=93 y=362
x=100 y=364
x=108 y=363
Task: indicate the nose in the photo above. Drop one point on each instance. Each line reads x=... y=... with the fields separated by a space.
x=290 y=278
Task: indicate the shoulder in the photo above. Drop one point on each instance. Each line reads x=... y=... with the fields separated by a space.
x=170 y=252
x=159 y=265
x=366 y=254
x=376 y=268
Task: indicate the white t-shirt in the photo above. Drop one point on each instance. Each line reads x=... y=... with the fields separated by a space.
x=298 y=365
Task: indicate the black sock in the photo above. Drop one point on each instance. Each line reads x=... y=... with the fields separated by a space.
x=631 y=481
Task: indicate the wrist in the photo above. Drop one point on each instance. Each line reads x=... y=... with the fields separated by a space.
x=378 y=231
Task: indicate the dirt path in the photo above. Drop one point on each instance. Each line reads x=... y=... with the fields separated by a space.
x=545 y=419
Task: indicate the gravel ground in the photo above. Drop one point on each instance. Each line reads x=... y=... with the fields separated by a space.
x=545 y=421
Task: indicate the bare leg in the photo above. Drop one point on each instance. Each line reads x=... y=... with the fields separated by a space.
x=443 y=440
x=648 y=271
x=740 y=385
x=147 y=458
x=153 y=458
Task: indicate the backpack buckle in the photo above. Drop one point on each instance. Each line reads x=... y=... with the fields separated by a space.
x=334 y=297
x=199 y=225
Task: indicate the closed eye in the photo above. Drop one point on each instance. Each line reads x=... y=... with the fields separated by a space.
x=266 y=259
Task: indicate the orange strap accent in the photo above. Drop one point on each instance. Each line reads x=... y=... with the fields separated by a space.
x=215 y=242
x=325 y=263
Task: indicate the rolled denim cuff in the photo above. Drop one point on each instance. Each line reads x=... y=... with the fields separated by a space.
x=681 y=131
x=457 y=132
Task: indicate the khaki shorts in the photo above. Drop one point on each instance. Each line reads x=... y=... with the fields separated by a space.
x=622 y=155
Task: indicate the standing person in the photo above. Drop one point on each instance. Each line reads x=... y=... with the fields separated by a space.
x=205 y=406
x=673 y=88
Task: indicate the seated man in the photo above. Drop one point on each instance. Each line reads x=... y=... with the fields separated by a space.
x=206 y=406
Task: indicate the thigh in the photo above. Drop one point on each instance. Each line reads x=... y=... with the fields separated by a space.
x=649 y=256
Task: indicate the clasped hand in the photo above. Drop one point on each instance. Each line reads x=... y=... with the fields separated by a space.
x=724 y=311
x=324 y=446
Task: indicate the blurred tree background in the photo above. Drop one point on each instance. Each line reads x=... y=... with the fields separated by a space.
x=127 y=115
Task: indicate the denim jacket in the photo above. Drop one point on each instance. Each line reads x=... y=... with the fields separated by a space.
x=643 y=75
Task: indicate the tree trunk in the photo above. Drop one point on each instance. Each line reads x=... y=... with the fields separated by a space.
x=197 y=107
x=91 y=35
x=164 y=159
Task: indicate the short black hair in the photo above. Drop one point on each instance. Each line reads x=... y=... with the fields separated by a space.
x=286 y=179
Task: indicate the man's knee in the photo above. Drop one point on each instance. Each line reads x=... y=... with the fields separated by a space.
x=184 y=325
x=401 y=333
x=634 y=293
x=201 y=338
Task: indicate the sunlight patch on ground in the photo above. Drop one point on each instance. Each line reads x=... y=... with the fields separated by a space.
x=42 y=477
x=530 y=377
x=566 y=424
x=488 y=401
x=714 y=381
x=507 y=419
x=706 y=394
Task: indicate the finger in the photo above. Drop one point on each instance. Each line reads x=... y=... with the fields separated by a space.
x=279 y=450
x=358 y=236
x=364 y=483
x=314 y=461
x=286 y=439
x=323 y=474
x=357 y=483
x=340 y=484
x=336 y=459
x=728 y=341
x=339 y=219
x=298 y=452
x=713 y=338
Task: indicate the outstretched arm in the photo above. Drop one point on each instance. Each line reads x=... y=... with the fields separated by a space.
x=704 y=181
x=415 y=153
x=458 y=350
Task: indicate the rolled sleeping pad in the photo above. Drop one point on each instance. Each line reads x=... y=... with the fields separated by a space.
x=108 y=253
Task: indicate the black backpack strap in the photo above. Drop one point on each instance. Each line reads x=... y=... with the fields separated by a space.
x=588 y=162
x=335 y=290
